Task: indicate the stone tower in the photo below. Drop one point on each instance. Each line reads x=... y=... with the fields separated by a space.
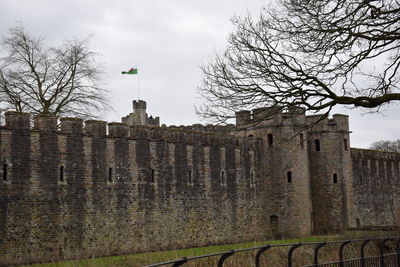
x=331 y=174
x=284 y=175
x=139 y=115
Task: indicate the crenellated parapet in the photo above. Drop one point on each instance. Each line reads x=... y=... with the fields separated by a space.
x=209 y=128
x=295 y=116
x=17 y=120
x=268 y=114
x=338 y=123
x=45 y=123
x=96 y=128
x=72 y=126
x=198 y=134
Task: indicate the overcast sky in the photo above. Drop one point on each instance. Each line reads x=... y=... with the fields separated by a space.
x=168 y=41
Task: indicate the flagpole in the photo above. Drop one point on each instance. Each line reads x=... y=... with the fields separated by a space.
x=138 y=83
x=134 y=70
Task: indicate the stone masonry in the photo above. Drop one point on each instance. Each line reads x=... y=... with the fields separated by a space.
x=90 y=189
x=139 y=115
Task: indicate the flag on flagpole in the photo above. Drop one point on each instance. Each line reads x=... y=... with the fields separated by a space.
x=131 y=71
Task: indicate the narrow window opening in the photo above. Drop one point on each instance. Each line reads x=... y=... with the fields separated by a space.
x=335 y=178
x=289 y=176
x=152 y=175
x=361 y=179
x=237 y=143
x=190 y=179
x=270 y=140
x=223 y=178
x=110 y=174
x=345 y=143
x=301 y=141
x=317 y=145
x=252 y=181
x=61 y=174
x=5 y=171
x=358 y=223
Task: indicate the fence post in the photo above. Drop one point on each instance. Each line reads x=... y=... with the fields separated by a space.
x=259 y=252
x=382 y=247
x=362 y=251
x=224 y=257
x=398 y=253
x=290 y=253
x=320 y=245
x=341 y=248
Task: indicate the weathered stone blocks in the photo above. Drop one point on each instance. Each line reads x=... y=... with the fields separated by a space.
x=92 y=189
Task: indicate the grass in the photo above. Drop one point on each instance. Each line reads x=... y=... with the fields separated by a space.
x=274 y=256
x=153 y=257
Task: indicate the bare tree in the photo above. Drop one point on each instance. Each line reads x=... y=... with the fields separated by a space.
x=314 y=54
x=58 y=80
x=386 y=145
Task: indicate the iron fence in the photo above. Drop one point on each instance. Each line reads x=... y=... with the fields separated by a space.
x=384 y=259
x=387 y=260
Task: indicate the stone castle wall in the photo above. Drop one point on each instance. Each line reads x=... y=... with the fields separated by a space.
x=79 y=192
x=96 y=189
x=376 y=186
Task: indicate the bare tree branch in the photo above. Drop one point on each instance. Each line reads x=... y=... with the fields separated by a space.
x=59 y=81
x=310 y=53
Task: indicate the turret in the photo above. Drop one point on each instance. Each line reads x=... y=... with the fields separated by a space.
x=281 y=174
x=331 y=176
x=139 y=115
x=139 y=105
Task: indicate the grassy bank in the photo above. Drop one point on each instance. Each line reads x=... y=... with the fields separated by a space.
x=274 y=257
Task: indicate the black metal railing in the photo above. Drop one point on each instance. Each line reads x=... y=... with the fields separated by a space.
x=389 y=260
x=384 y=259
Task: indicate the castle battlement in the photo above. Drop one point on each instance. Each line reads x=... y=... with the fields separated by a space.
x=70 y=187
x=338 y=122
x=198 y=134
x=294 y=117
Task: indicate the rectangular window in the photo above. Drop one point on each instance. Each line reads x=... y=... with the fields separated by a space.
x=335 y=178
x=5 y=171
x=317 y=145
x=61 y=174
x=289 y=177
x=152 y=175
x=190 y=179
x=110 y=175
x=270 y=140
